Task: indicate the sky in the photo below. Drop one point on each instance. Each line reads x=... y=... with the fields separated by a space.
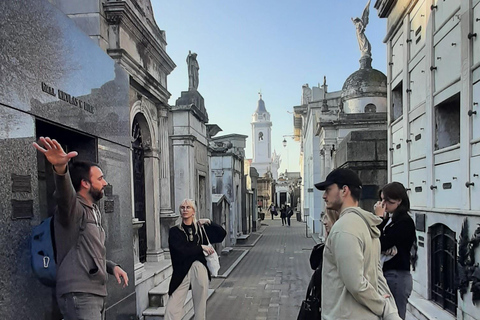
x=273 y=47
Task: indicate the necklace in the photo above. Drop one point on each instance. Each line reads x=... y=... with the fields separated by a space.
x=190 y=234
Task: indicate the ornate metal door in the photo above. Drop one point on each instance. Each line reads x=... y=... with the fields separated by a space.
x=443 y=257
x=139 y=188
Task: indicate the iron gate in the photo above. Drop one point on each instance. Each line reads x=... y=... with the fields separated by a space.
x=443 y=257
x=139 y=188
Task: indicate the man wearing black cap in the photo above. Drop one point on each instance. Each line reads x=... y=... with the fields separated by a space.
x=353 y=286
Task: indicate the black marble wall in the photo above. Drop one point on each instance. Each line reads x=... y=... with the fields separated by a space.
x=54 y=80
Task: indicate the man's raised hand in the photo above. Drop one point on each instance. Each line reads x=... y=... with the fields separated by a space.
x=54 y=153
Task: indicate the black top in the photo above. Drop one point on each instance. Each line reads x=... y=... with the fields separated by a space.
x=400 y=233
x=186 y=248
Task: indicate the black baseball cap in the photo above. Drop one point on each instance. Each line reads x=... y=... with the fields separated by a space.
x=342 y=177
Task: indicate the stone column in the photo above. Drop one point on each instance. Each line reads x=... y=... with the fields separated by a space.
x=152 y=205
x=165 y=186
x=139 y=268
x=167 y=213
x=328 y=159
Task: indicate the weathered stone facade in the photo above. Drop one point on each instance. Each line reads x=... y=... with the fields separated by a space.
x=433 y=54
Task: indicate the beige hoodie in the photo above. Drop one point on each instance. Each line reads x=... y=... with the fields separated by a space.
x=353 y=285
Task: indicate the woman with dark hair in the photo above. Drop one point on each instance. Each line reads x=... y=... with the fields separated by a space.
x=397 y=238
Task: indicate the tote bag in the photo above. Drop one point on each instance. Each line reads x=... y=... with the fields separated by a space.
x=213 y=262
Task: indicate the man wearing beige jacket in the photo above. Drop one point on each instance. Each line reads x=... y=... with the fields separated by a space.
x=353 y=286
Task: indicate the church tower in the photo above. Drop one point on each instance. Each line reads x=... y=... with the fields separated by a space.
x=261 y=139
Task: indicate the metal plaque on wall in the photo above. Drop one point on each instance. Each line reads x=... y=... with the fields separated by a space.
x=109 y=206
x=21 y=183
x=420 y=221
x=22 y=209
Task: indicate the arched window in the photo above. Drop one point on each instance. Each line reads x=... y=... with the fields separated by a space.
x=370 y=108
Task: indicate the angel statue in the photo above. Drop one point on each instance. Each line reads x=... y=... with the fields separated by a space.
x=361 y=25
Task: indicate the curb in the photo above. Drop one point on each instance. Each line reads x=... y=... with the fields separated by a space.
x=249 y=244
x=229 y=270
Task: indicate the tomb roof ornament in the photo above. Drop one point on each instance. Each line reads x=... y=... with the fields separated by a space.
x=363 y=43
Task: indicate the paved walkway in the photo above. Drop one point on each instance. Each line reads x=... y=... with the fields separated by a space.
x=271 y=280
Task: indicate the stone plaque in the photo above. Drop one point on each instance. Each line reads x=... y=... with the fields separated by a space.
x=21 y=183
x=108 y=190
x=109 y=206
x=420 y=221
x=22 y=209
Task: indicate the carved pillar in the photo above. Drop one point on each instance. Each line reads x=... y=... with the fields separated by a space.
x=167 y=213
x=166 y=200
x=138 y=266
x=328 y=159
x=152 y=204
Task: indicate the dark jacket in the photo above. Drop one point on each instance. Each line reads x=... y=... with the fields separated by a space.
x=184 y=252
x=81 y=256
x=400 y=233
x=316 y=259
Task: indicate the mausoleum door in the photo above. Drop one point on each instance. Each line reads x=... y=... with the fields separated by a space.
x=86 y=146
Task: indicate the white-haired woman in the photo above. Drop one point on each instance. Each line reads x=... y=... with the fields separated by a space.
x=188 y=247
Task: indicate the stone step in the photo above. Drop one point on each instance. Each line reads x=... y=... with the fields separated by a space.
x=158 y=313
x=242 y=238
x=423 y=309
x=158 y=296
x=153 y=275
x=226 y=250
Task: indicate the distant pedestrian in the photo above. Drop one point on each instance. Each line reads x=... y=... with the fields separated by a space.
x=289 y=213
x=397 y=238
x=273 y=210
x=82 y=267
x=283 y=215
x=353 y=286
x=188 y=248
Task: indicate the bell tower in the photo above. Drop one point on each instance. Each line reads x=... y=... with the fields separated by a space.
x=261 y=138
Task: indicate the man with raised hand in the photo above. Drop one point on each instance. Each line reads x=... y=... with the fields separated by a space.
x=353 y=286
x=79 y=236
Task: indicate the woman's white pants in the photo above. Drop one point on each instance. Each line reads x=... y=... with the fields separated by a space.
x=197 y=277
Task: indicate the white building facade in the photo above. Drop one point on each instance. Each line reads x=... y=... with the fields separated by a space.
x=434 y=139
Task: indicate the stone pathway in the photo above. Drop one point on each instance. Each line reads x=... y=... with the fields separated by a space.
x=271 y=280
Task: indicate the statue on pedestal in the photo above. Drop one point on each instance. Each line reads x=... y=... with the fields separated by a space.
x=306 y=94
x=193 y=68
x=361 y=25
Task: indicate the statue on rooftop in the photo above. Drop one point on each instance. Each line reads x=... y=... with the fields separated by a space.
x=361 y=25
x=193 y=68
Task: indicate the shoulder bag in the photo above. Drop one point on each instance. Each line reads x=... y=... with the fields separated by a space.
x=213 y=262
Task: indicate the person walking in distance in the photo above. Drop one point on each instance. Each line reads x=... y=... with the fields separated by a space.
x=79 y=236
x=283 y=215
x=289 y=213
x=353 y=285
x=273 y=210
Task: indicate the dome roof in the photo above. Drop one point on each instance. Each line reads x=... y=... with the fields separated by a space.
x=261 y=106
x=365 y=82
